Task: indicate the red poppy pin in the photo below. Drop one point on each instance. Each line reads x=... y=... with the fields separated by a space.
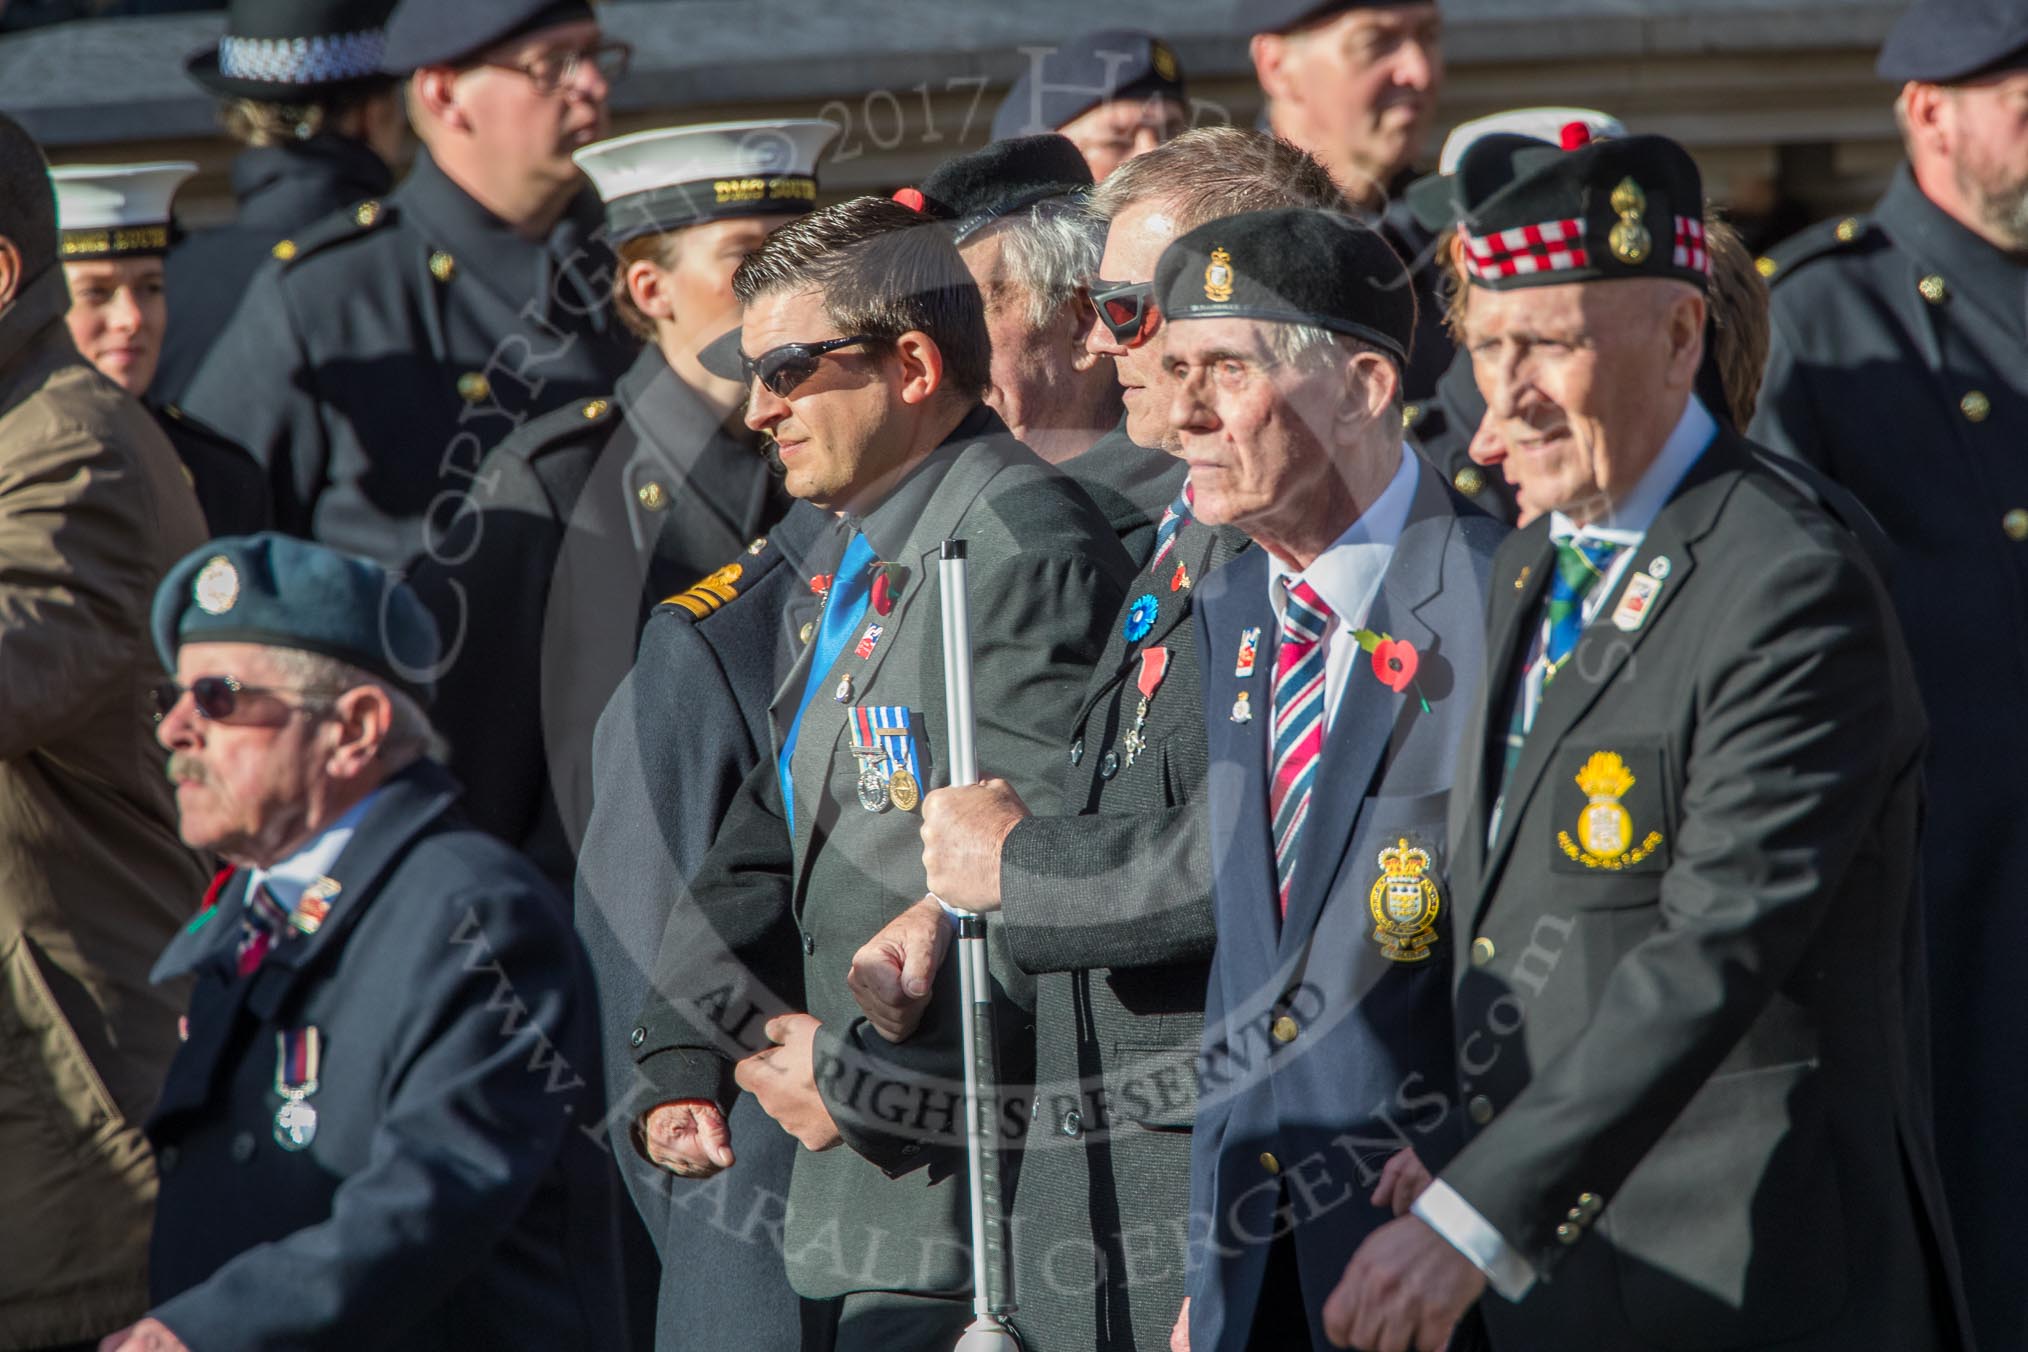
x=820 y=585
x=887 y=583
x=1394 y=662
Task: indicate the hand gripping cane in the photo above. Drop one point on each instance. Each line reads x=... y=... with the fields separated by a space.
x=989 y=1331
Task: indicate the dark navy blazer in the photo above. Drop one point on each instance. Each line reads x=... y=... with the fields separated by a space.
x=1322 y=1055
x=457 y=1192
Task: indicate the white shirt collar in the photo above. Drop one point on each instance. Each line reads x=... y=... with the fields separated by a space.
x=1348 y=574
x=288 y=879
x=1628 y=521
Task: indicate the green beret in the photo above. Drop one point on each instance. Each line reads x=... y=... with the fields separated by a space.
x=1292 y=265
x=284 y=592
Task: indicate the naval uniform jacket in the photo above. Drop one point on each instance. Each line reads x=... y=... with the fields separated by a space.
x=1327 y=1045
x=1899 y=366
x=230 y=487
x=685 y=727
x=887 y=1210
x=1684 y=962
x=577 y=525
x=1110 y=910
x=455 y=1193
x=280 y=190
x=385 y=349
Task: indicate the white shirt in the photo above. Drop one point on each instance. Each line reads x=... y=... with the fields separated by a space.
x=289 y=879
x=1348 y=575
x=1441 y=1207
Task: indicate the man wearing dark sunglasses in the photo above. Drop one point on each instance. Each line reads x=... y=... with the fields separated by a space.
x=356 y=1117
x=391 y=345
x=867 y=354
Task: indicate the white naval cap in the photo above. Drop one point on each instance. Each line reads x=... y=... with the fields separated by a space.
x=116 y=210
x=1430 y=197
x=1544 y=124
x=655 y=181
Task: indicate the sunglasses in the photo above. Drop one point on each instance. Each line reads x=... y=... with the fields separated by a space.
x=781 y=370
x=216 y=697
x=1127 y=309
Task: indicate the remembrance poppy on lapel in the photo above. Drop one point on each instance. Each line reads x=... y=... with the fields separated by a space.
x=1141 y=617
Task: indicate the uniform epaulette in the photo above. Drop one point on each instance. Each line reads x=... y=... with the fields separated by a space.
x=557 y=428
x=1822 y=239
x=350 y=223
x=713 y=592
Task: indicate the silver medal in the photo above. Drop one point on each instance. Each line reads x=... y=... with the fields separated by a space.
x=295 y=1125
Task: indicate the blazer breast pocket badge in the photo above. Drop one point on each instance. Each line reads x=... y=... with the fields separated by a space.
x=1610 y=813
x=1405 y=902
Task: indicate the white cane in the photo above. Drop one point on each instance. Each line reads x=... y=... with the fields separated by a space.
x=989 y=1330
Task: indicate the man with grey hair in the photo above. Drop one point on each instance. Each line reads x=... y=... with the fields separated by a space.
x=383 y=1104
x=1110 y=906
x=1016 y=212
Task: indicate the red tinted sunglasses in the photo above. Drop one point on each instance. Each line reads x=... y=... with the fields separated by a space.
x=1127 y=309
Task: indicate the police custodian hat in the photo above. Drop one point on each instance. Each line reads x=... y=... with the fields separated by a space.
x=1533 y=214
x=283 y=592
x=1063 y=83
x=656 y=181
x=295 y=51
x=1292 y=265
x=445 y=32
x=1947 y=41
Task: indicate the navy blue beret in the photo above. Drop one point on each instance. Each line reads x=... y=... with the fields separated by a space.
x=1944 y=41
x=1285 y=16
x=444 y=32
x=1292 y=265
x=999 y=180
x=284 y=592
x=1066 y=82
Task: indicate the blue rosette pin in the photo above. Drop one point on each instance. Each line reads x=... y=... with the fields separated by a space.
x=1141 y=617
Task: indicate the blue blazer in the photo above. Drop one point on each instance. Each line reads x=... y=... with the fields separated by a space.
x=1327 y=1036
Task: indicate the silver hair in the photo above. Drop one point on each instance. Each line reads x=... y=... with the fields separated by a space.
x=1310 y=346
x=409 y=732
x=1049 y=253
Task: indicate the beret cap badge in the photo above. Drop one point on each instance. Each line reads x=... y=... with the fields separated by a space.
x=1218 y=277
x=1629 y=239
x=216 y=586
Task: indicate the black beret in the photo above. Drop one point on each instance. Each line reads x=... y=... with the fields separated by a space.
x=1533 y=214
x=1293 y=265
x=445 y=32
x=999 y=180
x=1945 y=41
x=1285 y=16
x=280 y=51
x=1062 y=84
x=284 y=592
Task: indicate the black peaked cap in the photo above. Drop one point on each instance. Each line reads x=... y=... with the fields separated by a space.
x=1063 y=83
x=1945 y=41
x=445 y=32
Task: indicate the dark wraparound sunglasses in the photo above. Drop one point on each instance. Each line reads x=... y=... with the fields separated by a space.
x=781 y=369
x=216 y=697
x=1127 y=309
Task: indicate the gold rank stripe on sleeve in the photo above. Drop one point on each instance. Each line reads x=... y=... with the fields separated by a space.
x=710 y=594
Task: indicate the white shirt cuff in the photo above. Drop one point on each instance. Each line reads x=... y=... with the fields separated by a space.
x=1451 y=1216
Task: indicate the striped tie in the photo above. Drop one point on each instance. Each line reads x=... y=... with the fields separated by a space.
x=1174 y=516
x=1579 y=567
x=1298 y=724
x=265 y=921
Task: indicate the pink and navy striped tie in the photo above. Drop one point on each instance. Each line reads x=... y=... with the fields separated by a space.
x=1298 y=724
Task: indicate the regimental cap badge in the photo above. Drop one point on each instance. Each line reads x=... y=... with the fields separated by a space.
x=1218 y=277
x=216 y=588
x=1405 y=902
x=1605 y=829
x=1163 y=60
x=1629 y=239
